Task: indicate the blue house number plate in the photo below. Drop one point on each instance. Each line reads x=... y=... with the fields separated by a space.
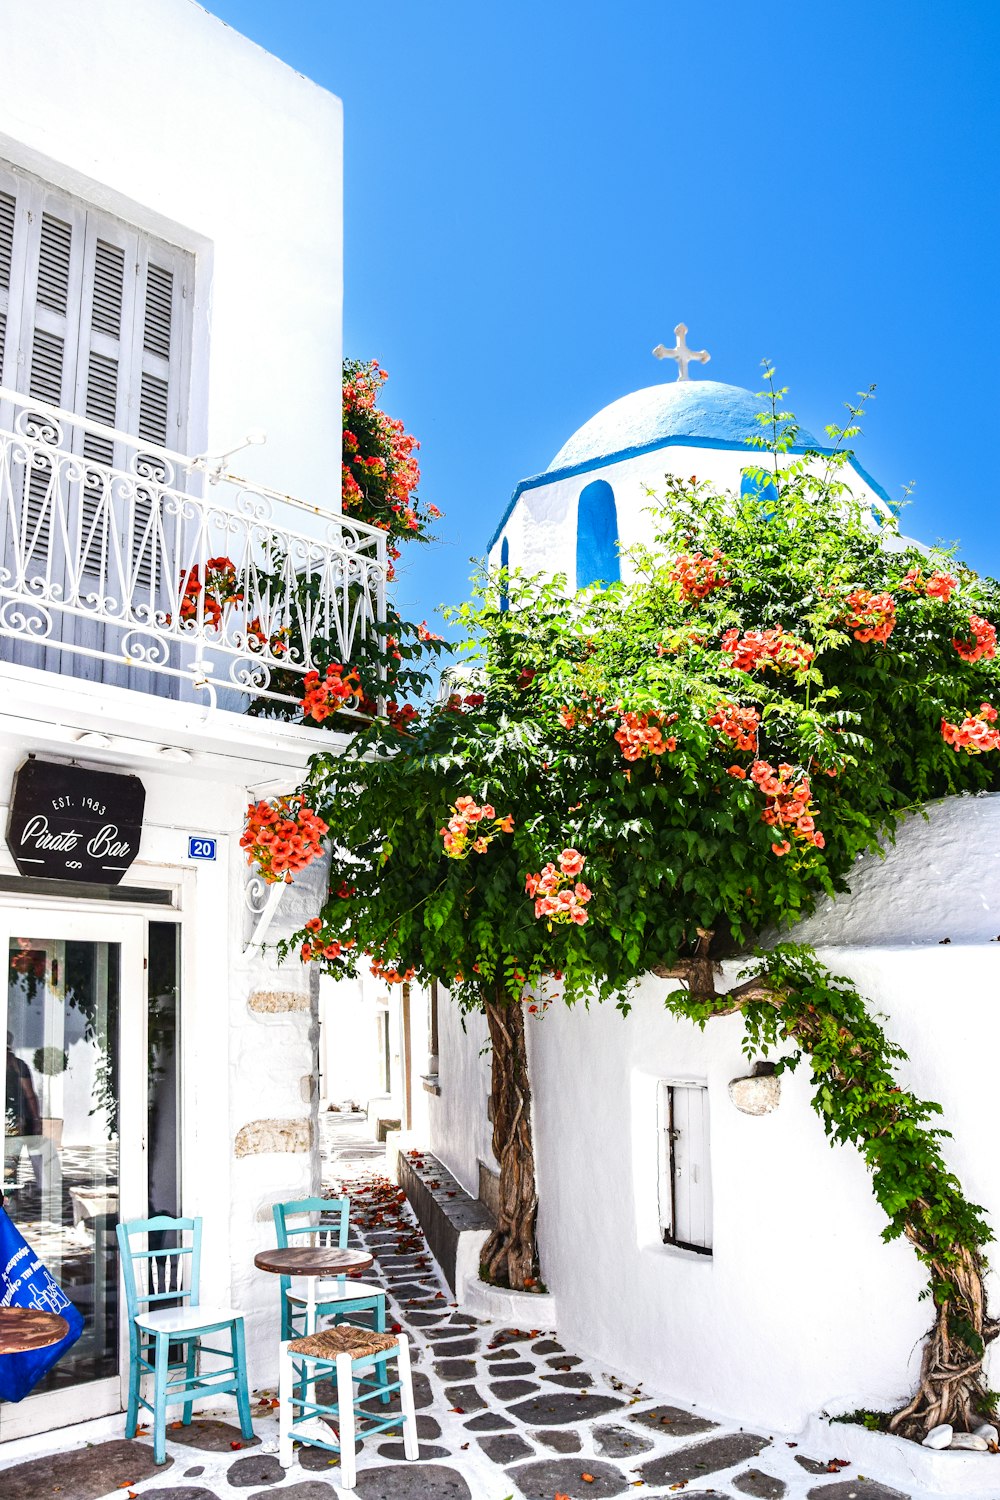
x=199 y=848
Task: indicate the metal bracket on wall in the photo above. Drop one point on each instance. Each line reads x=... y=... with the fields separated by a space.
x=265 y=910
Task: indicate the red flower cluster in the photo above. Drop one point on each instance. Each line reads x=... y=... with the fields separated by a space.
x=379 y=473
x=737 y=724
x=594 y=708
x=756 y=650
x=323 y=696
x=642 y=734
x=282 y=836
x=400 y=718
x=697 y=576
x=426 y=634
x=465 y=832
x=872 y=617
x=983 y=642
x=937 y=586
x=789 y=807
x=975 y=734
x=390 y=973
x=220 y=587
x=559 y=896
x=456 y=704
x=320 y=946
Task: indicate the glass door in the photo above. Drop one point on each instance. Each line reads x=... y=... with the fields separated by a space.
x=75 y=1012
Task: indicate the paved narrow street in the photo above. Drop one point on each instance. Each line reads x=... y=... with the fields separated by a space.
x=504 y=1414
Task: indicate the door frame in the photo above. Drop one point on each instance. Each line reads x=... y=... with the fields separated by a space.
x=77 y=922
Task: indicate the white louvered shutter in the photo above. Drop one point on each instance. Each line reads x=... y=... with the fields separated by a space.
x=97 y=321
x=8 y=214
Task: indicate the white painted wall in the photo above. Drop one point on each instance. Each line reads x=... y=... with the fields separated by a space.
x=459 y=1131
x=541 y=529
x=160 y=113
x=349 y=1041
x=801 y=1305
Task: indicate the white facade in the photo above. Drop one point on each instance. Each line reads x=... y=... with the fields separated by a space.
x=800 y=1307
x=153 y=116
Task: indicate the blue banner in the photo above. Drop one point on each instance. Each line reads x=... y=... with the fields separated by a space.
x=24 y=1282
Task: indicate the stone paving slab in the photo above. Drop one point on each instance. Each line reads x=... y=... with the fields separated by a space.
x=505 y=1413
x=209 y=1435
x=760 y=1485
x=85 y=1474
x=568 y=1476
x=307 y=1489
x=713 y=1456
x=673 y=1421
x=866 y=1489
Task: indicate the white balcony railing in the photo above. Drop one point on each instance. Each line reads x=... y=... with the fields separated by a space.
x=126 y=563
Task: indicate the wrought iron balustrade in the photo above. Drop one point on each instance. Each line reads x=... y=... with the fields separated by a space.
x=126 y=563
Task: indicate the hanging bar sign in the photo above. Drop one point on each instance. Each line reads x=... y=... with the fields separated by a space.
x=70 y=823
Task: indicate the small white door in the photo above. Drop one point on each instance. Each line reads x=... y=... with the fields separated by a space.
x=74 y=1014
x=685 y=1166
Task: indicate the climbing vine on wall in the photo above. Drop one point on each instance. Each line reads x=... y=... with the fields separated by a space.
x=650 y=777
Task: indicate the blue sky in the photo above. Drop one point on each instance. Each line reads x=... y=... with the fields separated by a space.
x=536 y=194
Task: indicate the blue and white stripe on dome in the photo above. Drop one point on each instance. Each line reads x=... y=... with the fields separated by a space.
x=683 y=413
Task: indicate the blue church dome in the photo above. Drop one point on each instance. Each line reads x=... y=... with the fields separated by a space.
x=702 y=413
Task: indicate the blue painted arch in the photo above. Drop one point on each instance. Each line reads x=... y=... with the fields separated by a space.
x=597 y=535
x=505 y=586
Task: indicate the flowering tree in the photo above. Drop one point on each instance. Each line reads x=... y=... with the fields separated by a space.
x=650 y=777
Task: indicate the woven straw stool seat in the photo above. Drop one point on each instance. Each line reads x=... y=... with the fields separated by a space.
x=346 y=1338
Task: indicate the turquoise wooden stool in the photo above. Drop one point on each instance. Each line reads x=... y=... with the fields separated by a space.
x=158 y=1275
x=347 y=1355
x=327 y=1222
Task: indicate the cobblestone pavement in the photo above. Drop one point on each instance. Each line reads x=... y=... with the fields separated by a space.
x=504 y=1414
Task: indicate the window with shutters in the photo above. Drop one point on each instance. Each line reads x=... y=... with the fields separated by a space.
x=685 y=1170
x=94 y=318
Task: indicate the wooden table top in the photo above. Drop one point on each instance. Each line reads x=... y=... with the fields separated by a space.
x=312 y=1260
x=23 y=1328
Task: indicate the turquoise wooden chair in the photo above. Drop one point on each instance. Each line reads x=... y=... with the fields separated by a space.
x=357 y=1361
x=169 y=1274
x=327 y=1221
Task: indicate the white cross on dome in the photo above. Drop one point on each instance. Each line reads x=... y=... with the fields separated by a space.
x=682 y=354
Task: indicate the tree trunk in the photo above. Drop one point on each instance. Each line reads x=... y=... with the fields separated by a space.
x=952 y=1388
x=510 y=1255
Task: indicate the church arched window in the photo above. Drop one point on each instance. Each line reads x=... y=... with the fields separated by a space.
x=597 y=536
x=504 y=587
x=756 y=487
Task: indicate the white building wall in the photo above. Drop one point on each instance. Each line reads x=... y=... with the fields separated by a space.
x=801 y=1305
x=158 y=112
x=458 y=1129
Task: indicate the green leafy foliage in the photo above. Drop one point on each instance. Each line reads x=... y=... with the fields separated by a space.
x=675 y=841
